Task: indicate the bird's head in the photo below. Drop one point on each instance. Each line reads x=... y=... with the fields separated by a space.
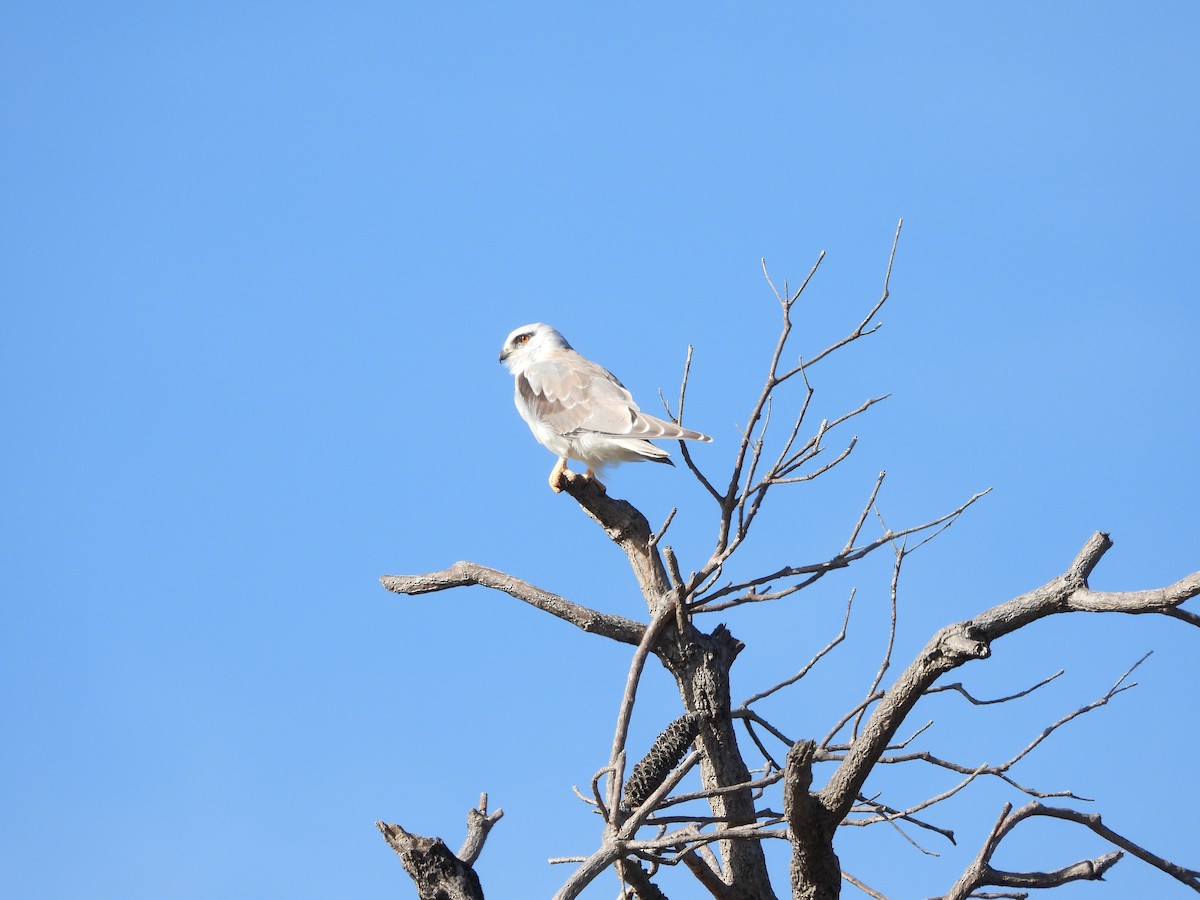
x=524 y=344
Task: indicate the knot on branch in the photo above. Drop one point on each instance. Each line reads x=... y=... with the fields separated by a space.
x=664 y=755
x=963 y=641
x=728 y=643
x=699 y=652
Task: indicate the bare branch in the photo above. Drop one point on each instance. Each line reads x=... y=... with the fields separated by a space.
x=1070 y=593
x=589 y=800
x=684 y=451
x=1189 y=877
x=479 y=823
x=631 y=873
x=617 y=757
x=706 y=875
x=886 y=813
x=912 y=737
x=870 y=892
x=740 y=814
x=907 y=814
x=600 y=804
x=958 y=687
x=756 y=444
x=689 y=838
x=661 y=533
x=980 y=872
x=1184 y=615
x=751 y=499
x=956 y=644
x=728 y=501
x=590 y=867
x=748 y=717
x=785 y=453
x=816 y=570
x=893 y=594
x=709 y=793
x=673 y=567
x=465 y=573
x=862 y=329
x=862 y=517
x=816 y=473
x=847 y=716
x=1117 y=688
x=837 y=639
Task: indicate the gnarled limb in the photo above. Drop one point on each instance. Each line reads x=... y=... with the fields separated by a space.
x=437 y=873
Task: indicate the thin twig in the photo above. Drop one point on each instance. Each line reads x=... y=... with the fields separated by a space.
x=820 y=654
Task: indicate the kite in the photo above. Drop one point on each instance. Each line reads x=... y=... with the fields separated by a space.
x=579 y=410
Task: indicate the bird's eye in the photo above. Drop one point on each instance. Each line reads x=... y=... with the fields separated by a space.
x=523 y=338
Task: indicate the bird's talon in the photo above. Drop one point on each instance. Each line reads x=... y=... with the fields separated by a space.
x=559 y=475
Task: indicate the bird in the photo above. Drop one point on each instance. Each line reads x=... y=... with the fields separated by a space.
x=579 y=410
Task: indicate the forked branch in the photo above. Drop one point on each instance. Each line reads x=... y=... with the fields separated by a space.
x=981 y=873
x=745 y=491
x=437 y=873
x=961 y=642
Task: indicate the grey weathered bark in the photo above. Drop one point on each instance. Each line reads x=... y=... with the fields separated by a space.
x=815 y=872
x=638 y=878
x=437 y=873
x=700 y=664
x=980 y=872
x=964 y=641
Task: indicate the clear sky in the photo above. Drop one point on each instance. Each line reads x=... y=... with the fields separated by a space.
x=256 y=264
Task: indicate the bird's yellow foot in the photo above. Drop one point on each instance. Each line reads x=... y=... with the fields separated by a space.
x=591 y=476
x=558 y=475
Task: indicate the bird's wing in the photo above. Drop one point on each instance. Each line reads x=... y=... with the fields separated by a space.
x=568 y=393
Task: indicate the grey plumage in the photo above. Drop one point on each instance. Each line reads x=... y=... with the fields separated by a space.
x=578 y=409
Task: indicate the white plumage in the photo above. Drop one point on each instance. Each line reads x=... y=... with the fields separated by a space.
x=579 y=410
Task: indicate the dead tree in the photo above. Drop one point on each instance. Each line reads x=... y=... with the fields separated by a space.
x=717 y=832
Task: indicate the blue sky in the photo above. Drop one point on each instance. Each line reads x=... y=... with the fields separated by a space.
x=257 y=261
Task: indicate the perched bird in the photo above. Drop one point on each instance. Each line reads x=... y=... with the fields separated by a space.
x=579 y=410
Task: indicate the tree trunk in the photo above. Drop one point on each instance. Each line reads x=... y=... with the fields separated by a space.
x=816 y=873
x=700 y=664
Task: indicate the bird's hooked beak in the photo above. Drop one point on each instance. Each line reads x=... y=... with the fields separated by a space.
x=504 y=354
